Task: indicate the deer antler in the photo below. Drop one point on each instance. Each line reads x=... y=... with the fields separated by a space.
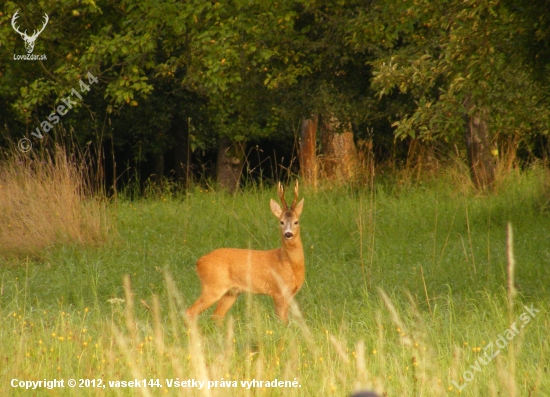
x=281 y=193
x=15 y=16
x=29 y=40
x=43 y=26
x=295 y=195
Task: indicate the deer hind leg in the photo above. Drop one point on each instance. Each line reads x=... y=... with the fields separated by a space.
x=207 y=299
x=224 y=305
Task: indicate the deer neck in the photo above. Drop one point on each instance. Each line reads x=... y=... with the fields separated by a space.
x=293 y=252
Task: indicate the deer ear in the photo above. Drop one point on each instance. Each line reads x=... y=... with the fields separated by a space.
x=275 y=208
x=299 y=207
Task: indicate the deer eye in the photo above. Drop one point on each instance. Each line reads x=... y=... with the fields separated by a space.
x=282 y=222
x=296 y=222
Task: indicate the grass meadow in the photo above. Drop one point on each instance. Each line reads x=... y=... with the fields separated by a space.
x=405 y=293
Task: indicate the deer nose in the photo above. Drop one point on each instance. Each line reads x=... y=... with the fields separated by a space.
x=288 y=235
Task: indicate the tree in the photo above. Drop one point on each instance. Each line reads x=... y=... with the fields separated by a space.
x=308 y=150
x=141 y=53
x=340 y=158
x=459 y=62
x=174 y=78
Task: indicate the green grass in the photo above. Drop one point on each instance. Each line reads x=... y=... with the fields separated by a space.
x=437 y=250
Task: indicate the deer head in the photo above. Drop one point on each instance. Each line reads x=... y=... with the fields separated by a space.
x=29 y=40
x=288 y=217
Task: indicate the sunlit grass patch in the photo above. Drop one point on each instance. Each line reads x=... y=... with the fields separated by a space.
x=404 y=292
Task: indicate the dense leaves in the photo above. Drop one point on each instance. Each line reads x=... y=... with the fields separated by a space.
x=445 y=53
x=245 y=70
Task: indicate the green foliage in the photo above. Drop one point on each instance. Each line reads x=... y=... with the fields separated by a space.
x=444 y=53
x=245 y=70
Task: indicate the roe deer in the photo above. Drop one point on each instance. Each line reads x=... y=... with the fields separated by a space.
x=225 y=273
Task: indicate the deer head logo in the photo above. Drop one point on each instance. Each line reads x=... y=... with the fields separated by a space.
x=29 y=40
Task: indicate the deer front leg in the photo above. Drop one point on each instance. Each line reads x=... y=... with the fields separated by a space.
x=281 y=307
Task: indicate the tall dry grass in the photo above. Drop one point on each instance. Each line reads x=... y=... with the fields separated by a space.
x=47 y=198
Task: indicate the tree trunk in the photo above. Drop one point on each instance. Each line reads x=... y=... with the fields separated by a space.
x=308 y=150
x=478 y=146
x=340 y=158
x=230 y=164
